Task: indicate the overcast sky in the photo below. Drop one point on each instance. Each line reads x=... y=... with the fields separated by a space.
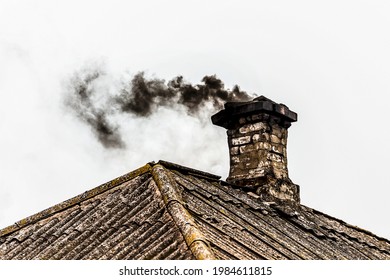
x=329 y=61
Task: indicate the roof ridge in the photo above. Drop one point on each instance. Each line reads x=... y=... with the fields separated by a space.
x=194 y=238
x=188 y=170
x=75 y=200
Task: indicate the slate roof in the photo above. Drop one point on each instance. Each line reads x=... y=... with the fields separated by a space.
x=167 y=211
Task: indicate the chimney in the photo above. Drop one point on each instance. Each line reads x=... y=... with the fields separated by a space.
x=257 y=138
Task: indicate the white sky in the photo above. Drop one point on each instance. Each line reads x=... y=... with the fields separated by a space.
x=329 y=61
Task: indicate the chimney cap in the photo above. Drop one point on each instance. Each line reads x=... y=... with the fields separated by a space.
x=261 y=104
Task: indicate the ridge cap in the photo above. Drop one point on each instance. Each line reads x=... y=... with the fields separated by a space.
x=195 y=239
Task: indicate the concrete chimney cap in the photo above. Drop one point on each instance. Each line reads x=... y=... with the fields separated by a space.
x=235 y=110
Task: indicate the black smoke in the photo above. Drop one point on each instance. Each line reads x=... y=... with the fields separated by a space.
x=80 y=98
x=140 y=97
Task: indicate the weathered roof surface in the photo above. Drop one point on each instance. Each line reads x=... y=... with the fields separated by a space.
x=123 y=219
x=167 y=211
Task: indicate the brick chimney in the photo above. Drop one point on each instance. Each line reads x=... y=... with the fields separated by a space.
x=257 y=138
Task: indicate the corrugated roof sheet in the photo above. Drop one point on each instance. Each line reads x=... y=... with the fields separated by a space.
x=166 y=211
x=129 y=221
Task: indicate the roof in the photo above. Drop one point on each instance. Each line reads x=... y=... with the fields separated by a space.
x=167 y=211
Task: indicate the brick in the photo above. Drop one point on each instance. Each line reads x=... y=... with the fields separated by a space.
x=250 y=164
x=235 y=159
x=258 y=172
x=241 y=140
x=247 y=148
x=277 y=149
x=266 y=146
x=279 y=165
x=264 y=163
x=262 y=154
x=280 y=173
x=275 y=139
x=249 y=157
x=260 y=137
x=277 y=130
x=274 y=157
x=234 y=151
x=259 y=126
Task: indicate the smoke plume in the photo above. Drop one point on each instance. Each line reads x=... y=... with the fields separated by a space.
x=81 y=100
x=140 y=97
